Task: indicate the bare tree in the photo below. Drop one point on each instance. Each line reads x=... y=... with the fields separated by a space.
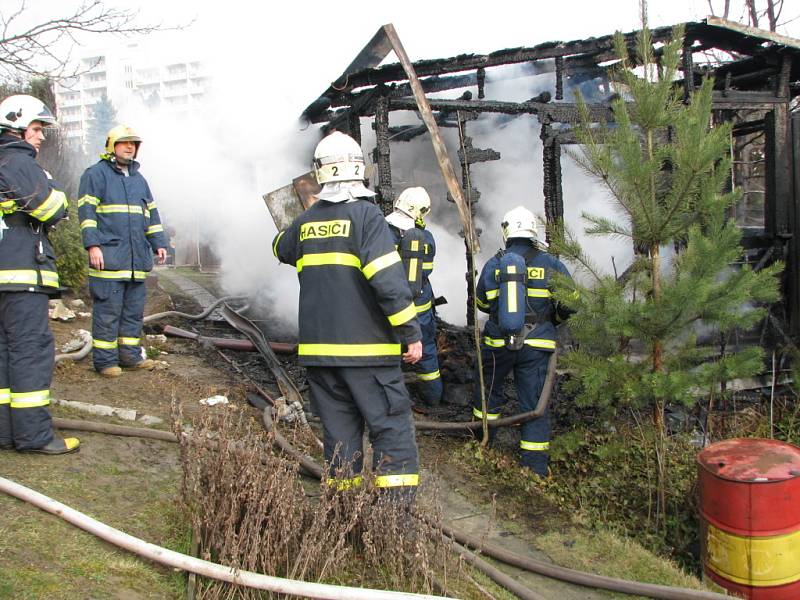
x=44 y=48
x=752 y=13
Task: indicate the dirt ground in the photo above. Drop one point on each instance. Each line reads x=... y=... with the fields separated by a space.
x=134 y=484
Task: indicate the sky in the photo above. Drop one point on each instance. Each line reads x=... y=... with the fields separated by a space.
x=269 y=61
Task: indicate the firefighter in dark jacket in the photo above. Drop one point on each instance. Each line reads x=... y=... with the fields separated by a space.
x=121 y=230
x=31 y=203
x=417 y=250
x=356 y=313
x=525 y=352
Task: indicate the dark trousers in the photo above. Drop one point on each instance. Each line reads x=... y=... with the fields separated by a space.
x=116 y=322
x=26 y=368
x=345 y=398
x=529 y=366
x=427 y=369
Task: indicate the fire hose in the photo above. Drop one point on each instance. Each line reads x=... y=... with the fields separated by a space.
x=198 y=317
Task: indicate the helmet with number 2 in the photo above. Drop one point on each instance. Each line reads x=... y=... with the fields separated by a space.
x=338 y=157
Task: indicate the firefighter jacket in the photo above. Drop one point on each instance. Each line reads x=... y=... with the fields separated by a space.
x=424 y=299
x=542 y=312
x=117 y=213
x=31 y=203
x=355 y=305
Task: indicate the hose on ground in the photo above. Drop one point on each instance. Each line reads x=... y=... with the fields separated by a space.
x=81 y=353
x=202 y=315
x=541 y=406
x=191 y=564
x=496 y=575
x=308 y=463
x=97 y=427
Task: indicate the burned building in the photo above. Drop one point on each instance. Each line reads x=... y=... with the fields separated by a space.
x=756 y=78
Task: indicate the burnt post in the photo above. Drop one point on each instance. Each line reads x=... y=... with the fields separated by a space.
x=551 y=159
x=793 y=265
x=559 y=77
x=380 y=155
x=466 y=185
x=688 y=69
x=354 y=126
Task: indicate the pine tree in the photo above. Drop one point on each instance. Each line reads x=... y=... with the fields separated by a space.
x=104 y=117
x=666 y=167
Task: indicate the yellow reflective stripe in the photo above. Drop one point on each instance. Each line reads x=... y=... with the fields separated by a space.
x=429 y=376
x=538 y=293
x=120 y=208
x=88 y=223
x=5 y=395
x=54 y=201
x=21 y=276
x=421 y=308
x=8 y=204
x=427 y=266
x=275 y=243
x=146 y=213
x=49 y=278
x=754 y=561
x=154 y=229
x=128 y=341
x=104 y=345
x=537 y=446
x=493 y=342
x=348 y=349
x=385 y=481
x=541 y=343
x=412 y=269
x=117 y=274
x=403 y=316
x=512 y=290
x=87 y=199
x=328 y=258
x=30 y=399
x=345 y=484
x=380 y=263
x=478 y=414
x=481 y=303
x=492 y=294
x=151 y=205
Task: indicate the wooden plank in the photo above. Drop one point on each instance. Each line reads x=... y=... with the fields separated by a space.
x=453 y=187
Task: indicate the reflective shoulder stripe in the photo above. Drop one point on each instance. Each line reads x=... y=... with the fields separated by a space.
x=19 y=276
x=348 y=349
x=151 y=205
x=421 y=308
x=541 y=343
x=87 y=199
x=345 y=484
x=275 y=243
x=429 y=376
x=88 y=223
x=328 y=258
x=538 y=293
x=427 y=266
x=380 y=263
x=30 y=399
x=492 y=294
x=535 y=446
x=493 y=342
x=403 y=316
x=57 y=199
x=386 y=481
x=154 y=229
x=104 y=345
x=478 y=414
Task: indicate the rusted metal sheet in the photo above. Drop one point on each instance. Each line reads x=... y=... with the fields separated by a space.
x=287 y=203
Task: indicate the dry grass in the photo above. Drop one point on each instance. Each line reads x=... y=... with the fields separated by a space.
x=249 y=509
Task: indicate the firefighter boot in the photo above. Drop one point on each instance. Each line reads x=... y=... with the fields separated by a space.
x=111 y=372
x=58 y=446
x=146 y=365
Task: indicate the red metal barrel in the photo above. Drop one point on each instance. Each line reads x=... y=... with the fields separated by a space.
x=749 y=497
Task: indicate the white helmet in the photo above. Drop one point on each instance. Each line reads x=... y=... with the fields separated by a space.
x=414 y=202
x=18 y=111
x=338 y=157
x=519 y=222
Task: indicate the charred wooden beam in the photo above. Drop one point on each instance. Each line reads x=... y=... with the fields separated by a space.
x=380 y=155
x=553 y=192
x=354 y=126
x=561 y=112
x=793 y=266
x=778 y=180
x=481 y=77
x=559 y=78
x=688 y=69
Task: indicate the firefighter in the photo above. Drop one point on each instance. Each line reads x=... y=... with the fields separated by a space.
x=121 y=230
x=515 y=288
x=417 y=250
x=356 y=314
x=31 y=203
